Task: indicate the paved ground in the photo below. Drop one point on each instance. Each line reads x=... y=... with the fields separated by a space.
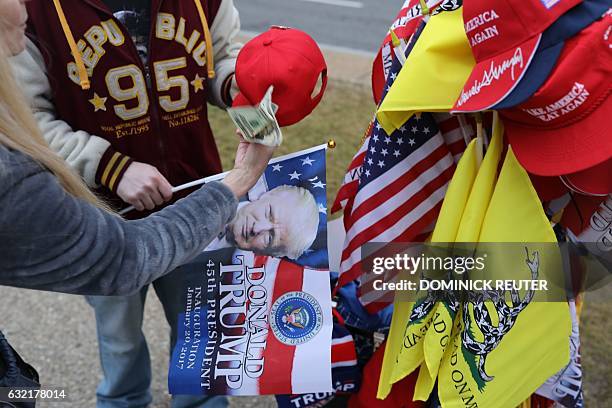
x=359 y=25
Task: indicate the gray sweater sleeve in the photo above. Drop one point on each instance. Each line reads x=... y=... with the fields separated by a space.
x=51 y=241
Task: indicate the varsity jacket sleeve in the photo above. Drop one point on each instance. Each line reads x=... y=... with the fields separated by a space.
x=223 y=31
x=88 y=154
x=53 y=241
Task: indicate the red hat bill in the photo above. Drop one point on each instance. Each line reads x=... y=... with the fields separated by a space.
x=504 y=36
x=291 y=61
x=564 y=127
x=596 y=180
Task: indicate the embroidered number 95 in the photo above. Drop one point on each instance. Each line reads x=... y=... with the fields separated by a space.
x=128 y=83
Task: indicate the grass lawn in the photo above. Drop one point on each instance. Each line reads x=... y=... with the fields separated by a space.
x=344 y=115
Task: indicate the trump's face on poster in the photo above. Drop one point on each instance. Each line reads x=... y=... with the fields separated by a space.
x=282 y=222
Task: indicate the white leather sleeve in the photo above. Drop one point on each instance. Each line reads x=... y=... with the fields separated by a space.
x=224 y=29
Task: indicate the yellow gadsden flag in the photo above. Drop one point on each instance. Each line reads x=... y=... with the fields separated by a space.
x=439 y=333
x=434 y=73
x=504 y=348
x=404 y=349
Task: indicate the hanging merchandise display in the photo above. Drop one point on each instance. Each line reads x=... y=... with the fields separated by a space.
x=543 y=68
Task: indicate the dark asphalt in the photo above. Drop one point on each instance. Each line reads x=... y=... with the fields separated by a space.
x=360 y=25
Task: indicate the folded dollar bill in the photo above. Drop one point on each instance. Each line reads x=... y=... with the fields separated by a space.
x=258 y=124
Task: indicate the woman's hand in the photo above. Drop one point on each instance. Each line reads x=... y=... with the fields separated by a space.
x=251 y=161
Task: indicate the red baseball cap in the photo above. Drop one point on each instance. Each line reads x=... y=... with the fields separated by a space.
x=564 y=127
x=404 y=26
x=504 y=36
x=291 y=61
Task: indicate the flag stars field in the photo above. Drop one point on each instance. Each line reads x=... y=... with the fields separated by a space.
x=318 y=184
x=307 y=161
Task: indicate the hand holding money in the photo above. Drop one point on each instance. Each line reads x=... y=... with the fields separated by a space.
x=258 y=124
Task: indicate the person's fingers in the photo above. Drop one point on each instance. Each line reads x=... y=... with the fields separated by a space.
x=147 y=201
x=165 y=189
x=138 y=205
x=240 y=135
x=156 y=196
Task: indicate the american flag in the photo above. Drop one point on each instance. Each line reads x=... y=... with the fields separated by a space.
x=350 y=184
x=394 y=187
x=401 y=187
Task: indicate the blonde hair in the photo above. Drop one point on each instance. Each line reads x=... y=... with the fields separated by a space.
x=19 y=131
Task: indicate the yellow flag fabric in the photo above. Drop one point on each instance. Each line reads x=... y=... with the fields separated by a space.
x=480 y=197
x=439 y=333
x=434 y=73
x=485 y=366
x=404 y=349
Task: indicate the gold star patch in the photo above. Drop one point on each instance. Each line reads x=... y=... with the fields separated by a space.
x=198 y=83
x=98 y=103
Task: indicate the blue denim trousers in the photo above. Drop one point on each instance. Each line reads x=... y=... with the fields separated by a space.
x=124 y=354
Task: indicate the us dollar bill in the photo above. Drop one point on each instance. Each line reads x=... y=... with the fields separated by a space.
x=258 y=124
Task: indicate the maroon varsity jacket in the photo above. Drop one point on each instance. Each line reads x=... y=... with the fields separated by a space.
x=164 y=124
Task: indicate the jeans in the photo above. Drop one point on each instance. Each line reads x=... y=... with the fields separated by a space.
x=124 y=354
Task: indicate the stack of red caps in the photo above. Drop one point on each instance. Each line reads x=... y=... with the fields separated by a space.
x=561 y=130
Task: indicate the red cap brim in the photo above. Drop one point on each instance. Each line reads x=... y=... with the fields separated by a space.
x=548 y=188
x=553 y=152
x=493 y=79
x=596 y=180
